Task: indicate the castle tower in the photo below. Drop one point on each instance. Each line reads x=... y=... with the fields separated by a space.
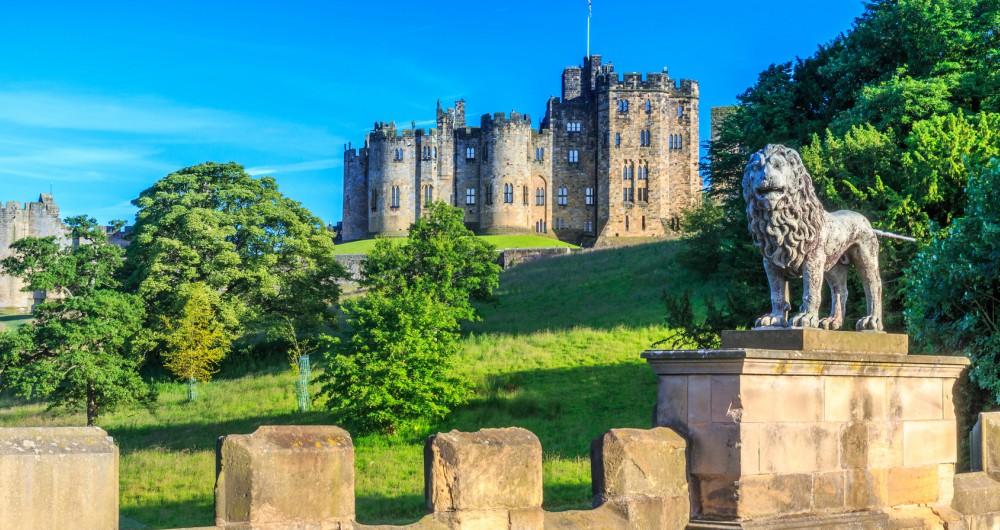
x=35 y=219
x=392 y=180
x=506 y=174
x=355 y=223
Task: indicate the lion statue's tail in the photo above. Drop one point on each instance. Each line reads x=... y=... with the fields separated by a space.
x=891 y=235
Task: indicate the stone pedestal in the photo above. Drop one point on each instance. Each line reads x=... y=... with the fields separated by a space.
x=820 y=426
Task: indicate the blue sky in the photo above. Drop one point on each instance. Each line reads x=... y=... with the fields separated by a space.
x=98 y=100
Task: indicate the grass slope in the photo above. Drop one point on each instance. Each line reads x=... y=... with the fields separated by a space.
x=10 y=318
x=557 y=353
x=365 y=246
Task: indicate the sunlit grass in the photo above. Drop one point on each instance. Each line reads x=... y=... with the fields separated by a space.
x=557 y=353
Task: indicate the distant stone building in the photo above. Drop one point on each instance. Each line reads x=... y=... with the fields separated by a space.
x=615 y=157
x=37 y=219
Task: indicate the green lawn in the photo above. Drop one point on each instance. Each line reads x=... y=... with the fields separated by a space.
x=364 y=246
x=557 y=353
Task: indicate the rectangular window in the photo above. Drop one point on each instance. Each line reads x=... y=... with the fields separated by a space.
x=562 y=199
x=488 y=198
x=574 y=126
x=625 y=194
x=588 y=197
x=524 y=195
x=618 y=139
x=643 y=194
x=508 y=193
x=398 y=155
x=623 y=106
x=680 y=111
x=574 y=156
x=539 y=153
x=645 y=138
x=394 y=197
x=428 y=196
x=470 y=153
x=588 y=226
x=539 y=196
x=470 y=196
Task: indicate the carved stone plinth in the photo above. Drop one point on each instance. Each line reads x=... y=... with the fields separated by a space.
x=783 y=436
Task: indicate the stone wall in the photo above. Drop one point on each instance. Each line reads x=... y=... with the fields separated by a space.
x=37 y=219
x=506 y=258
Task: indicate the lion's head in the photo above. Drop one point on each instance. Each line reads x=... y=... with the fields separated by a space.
x=783 y=213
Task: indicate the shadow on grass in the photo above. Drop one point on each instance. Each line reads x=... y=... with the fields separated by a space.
x=566 y=408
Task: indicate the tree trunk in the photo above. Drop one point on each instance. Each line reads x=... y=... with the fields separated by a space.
x=91 y=406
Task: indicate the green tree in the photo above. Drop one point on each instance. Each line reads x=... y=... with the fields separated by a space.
x=217 y=225
x=395 y=369
x=888 y=118
x=954 y=287
x=196 y=342
x=80 y=352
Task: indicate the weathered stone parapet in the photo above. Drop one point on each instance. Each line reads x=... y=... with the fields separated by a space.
x=293 y=477
x=59 y=477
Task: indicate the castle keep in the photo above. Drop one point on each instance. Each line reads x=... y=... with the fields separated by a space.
x=614 y=157
x=37 y=219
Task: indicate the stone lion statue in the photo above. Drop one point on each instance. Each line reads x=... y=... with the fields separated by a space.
x=800 y=239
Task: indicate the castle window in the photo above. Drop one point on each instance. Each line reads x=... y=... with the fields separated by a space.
x=588 y=196
x=618 y=139
x=486 y=153
x=394 y=198
x=434 y=152
x=574 y=126
x=588 y=226
x=428 y=195
x=649 y=106
x=540 y=226
x=539 y=196
x=574 y=156
x=489 y=194
x=374 y=200
x=398 y=155
x=562 y=199
x=470 y=196
x=427 y=152
x=470 y=153
x=524 y=195
x=626 y=223
x=628 y=171
x=622 y=106
x=680 y=111
x=643 y=196
x=628 y=194
x=645 y=138
x=508 y=193
x=644 y=222
x=643 y=171
x=539 y=153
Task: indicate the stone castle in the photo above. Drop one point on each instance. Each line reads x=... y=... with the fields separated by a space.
x=614 y=157
x=37 y=219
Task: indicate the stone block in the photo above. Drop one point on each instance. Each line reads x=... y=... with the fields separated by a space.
x=798 y=447
x=885 y=444
x=699 y=399
x=726 y=403
x=723 y=449
x=929 y=442
x=976 y=493
x=768 y=398
x=908 y=485
x=861 y=488
x=58 y=477
x=811 y=340
x=854 y=399
x=286 y=475
x=828 y=490
x=989 y=426
x=672 y=401
x=773 y=495
x=914 y=398
x=636 y=462
x=491 y=469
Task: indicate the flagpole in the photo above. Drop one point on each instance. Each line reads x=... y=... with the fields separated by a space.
x=590 y=10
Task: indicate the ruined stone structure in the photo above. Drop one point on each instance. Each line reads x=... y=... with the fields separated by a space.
x=37 y=219
x=614 y=157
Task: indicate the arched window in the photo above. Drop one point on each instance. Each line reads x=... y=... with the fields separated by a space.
x=680 y=111
x=398 y=154
x=539 y=196
x=649 y=106
x=508 y=193
x=623 y=105
x=470 y=153
x=394 y=197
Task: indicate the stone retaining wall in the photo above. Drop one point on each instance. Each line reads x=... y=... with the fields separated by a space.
x=506 y=258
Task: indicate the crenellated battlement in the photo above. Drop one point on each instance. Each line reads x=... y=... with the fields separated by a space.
x=651 y=81
x=500 y=120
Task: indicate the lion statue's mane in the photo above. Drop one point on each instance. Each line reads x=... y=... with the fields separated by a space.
x=790 y=230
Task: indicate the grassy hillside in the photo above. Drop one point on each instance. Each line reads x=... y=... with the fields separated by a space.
x=364 y=246
x=10 y=318
x=557 y=353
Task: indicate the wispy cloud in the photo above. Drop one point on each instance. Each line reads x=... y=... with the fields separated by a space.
x=311 y=165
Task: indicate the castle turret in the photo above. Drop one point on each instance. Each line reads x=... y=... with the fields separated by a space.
x=392 y=180
x=36 y=219
x=505 y=173
x=355 y=224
